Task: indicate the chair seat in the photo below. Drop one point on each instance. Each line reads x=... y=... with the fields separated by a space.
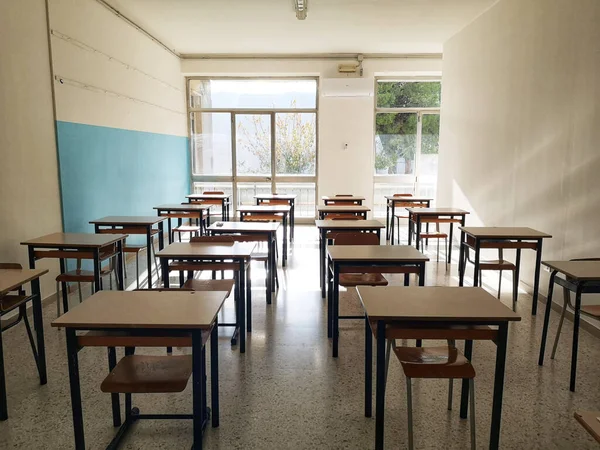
x=591 y=310
x=149 y=374
x=80 y=276
x=342 y=216
x=497 y=265
x=210 y=285
x=362 y=279
x=434 y=362
x=182 y=265
x=10 y=302
x=134 y=248
x=434 y=235
x=263 y=218
x=186 y=229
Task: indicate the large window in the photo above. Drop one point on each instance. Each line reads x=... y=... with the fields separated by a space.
x=407 y=124
x=255 y=136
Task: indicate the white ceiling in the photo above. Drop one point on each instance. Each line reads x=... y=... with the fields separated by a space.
x=332 y=26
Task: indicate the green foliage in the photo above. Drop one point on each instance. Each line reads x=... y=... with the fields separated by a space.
x=396 y=133
x=294 y=144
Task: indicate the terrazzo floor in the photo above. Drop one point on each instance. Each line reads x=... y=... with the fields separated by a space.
x=287 y=392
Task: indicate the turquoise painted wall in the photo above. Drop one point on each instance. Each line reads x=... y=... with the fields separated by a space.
x=110 y=172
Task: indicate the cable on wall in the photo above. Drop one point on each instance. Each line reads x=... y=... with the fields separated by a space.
x=89 y=48
x=99 y=90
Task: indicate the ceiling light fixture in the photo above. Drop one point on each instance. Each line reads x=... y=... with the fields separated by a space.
x=301 y=7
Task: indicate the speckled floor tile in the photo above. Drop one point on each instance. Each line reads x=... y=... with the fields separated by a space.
x=287 y=392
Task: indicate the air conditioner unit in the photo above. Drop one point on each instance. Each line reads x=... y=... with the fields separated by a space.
x=347 y=87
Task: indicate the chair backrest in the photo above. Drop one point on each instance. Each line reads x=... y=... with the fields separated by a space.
x=10 y=266
x=213 y=193
x=352 y=238
x=403 y=195
x=276 y=201
x=214 y=239
x=165 y=289
x=343 y=195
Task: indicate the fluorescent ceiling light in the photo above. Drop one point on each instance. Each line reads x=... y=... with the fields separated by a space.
x=301 y=7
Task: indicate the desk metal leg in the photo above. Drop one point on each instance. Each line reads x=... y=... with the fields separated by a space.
x=63 y=286
x=292 y=219
x=96 y=270
x=120 y=267
x=3 y=401
x=198 y=379
x=517 y=271
x=38 y=324
x=164 y=264
x=336 y=309
x=387 y=222
x=392 y=230
x=285 y=240
x=498 y=386
x=241 y=306
x=418 y=235
x=329 y=276
x=576 y=319
x=75 y=387
x=449 y=255
x=273 y=252
x=464 y=396
x=214 y=373
x=322 y=244
x=368 y=368
x=477 y=261
x=116 y=405
x=546 y=318
x=461 y=260
x=536 y=281
x=249 y=298
x=380 y=386
x=169 y=230
x=149 y=254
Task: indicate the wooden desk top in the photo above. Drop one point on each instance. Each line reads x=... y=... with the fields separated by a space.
x=127 y=220
x=143 y=309
x=366 y=253
x=207 y=250
x=241 y=227
x=209 y=196
x=433 y=304
x=408 y=199
x=265 y=208
x=75 y=240
x=348 y=198
x=589 y=421
x=185 y=207
x=349 y=224
x=504 y=232
x=438 y=211
x=343 y=208
x=11 y=279
x=276 y=196
x=579 y=270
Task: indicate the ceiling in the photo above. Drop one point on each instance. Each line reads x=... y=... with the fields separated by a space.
x=332 y=26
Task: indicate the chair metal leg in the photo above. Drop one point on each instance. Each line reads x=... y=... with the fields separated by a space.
x=566 y=297
x=387 y=356
x=499 y=284
x=409 y=413
x=57 y=300
x=472 y=412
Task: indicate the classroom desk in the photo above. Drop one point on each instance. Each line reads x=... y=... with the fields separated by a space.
x=342 y=200
x=12 y=280
x=267 y=229
x=419 y=216
x=377 y=259
x=182 y=211
x=390 y=210
x=580 y=277
x=224 y=200
x=282 y=211
x=590 y=420
x=78 y=246
x=272 y=199
x=197 y=253
x=134 y=225
x=146 y=314
x=355 y=210
x=477 y=238
x=327 y=226
x=415 y=312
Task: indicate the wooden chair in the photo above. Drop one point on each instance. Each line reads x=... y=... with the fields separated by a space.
x=84 y=276
x=401 y=215
x=500 y=265
x=353 y=276
x=16 y=300
x=437 y=234
x=438 y=363
x=592 y=311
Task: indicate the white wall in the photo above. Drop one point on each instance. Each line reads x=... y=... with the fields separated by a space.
x=92 y=46
x=520 y=130
x=341 y=120
x=29 y=192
